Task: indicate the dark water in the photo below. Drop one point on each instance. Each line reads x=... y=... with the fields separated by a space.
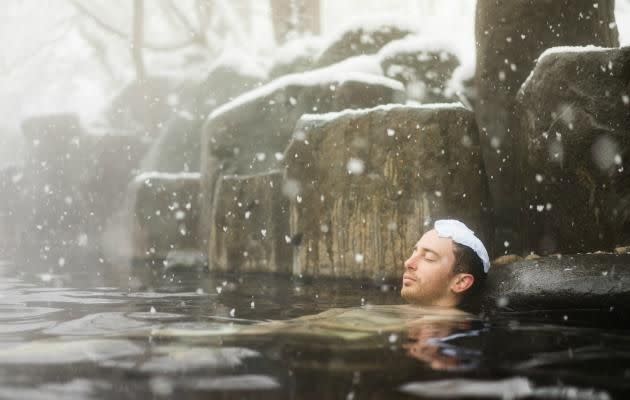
x=92 y=331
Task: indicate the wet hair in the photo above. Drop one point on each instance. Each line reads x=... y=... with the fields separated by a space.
x=468 y=262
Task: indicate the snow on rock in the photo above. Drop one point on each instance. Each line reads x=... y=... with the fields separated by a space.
x=295 y=56
x=562 y=49
x=364 y=36
x=241 y=62
x=166 y=176
x=385 y=107
x=425 y=64
x=335 y=74
x=370 y=25
x=422 y=43
x=461 y=81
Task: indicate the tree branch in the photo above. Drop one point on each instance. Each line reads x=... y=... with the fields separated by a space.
x=125 y=36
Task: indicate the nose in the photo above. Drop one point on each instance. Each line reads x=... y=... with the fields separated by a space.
x=410 y=263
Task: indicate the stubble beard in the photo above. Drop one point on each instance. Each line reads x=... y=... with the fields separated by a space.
x=417 y=295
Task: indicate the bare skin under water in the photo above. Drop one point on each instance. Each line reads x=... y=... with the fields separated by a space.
x=96 y=332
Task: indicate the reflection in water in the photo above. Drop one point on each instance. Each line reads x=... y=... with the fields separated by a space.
x=66 y=352
x=432 y=343
x=191 y=334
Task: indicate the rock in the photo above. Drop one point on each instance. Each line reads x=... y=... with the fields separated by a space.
x=575 y=114
x=143 y=106
x=10 y=224
x=51 y=208
x=165 y=215
x=250 y=225
x=509 y=39
x=561 y=282
x=363 y=38
x=113 y=161
x=249 y=134
x=423 y=64
x=71 y=183
x=506 y=259
x=622 y=250
x=177 y=149
x=365 y=184
x=296 y=56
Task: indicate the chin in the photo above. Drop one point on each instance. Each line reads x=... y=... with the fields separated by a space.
x=408 y=294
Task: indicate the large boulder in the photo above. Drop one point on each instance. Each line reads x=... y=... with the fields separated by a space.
x=250 y=231
x=10 y=224
x=425 y=65
x=112 y=163
x=164 y=217
x=295 y=56
x=52 y=209
x=71 y=183
x=510 y=36
x=365 y=184
x=364 y=37
x=600 y=281
x=143 y=106
x=177 y=148
x=249 y=134
x=575 y=113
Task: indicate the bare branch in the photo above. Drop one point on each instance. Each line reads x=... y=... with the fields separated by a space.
x=197 y=33
x=98 y=21
x=64 y=25
x=125 y=36
x=179 y=16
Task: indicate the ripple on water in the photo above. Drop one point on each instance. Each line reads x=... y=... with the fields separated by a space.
x=177 y=359
x=57 y=352
x=49 y=295
x=164 y=295
x=155 y=316
x=194 y=329
x=16 y=312
x=75 y=389
x=241 y=383
x=21 y=327
x=19 y=318
x=99 y=324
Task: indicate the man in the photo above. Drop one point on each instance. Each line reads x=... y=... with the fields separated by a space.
x=448 y=265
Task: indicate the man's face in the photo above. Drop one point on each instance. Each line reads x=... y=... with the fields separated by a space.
x=429 y=272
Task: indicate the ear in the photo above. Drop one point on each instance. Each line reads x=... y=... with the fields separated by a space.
x=462 y=282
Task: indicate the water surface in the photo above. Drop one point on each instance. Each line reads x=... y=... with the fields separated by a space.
x=101 y=332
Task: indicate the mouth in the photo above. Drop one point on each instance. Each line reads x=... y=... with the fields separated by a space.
x=408 y=279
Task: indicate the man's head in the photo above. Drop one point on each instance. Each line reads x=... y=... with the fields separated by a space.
x=447 y=264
